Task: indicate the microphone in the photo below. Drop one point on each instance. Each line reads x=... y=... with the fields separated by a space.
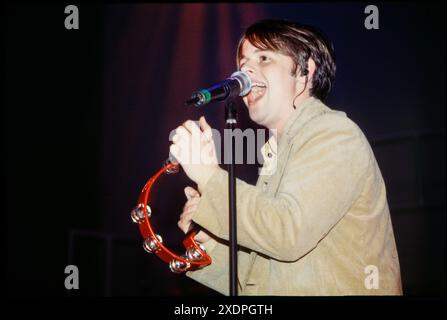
x=239 y=83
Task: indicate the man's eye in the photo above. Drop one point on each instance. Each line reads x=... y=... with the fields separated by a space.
x=263 y=58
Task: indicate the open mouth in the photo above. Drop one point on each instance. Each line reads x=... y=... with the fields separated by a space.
x=258 y=90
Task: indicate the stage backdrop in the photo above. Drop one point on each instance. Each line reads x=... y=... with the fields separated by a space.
x=389 y=81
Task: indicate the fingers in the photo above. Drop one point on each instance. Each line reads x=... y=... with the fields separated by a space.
x=184 y=225
x=187 y=125
x=175 y=151
x=187 y=214
x=191 y=206
x=182 y=133
x=180 y=140
x=190 y=192
x=185 y=221
x=192 y=127
x=190 y=146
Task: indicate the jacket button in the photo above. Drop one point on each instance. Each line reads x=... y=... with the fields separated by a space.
x=269 y=154
x=265 y=185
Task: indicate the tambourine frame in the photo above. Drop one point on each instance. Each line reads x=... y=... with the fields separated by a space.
x=195 y=256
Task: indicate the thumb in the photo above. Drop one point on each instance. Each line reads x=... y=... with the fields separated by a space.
x=190 y=192
x=203 y=124
x=206 y=128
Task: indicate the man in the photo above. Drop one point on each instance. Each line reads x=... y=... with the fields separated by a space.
x=317 y=225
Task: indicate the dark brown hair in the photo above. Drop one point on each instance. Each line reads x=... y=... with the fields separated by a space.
x=300 y=42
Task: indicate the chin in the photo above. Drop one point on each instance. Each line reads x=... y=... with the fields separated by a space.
x=256 y=113
x=256 y=117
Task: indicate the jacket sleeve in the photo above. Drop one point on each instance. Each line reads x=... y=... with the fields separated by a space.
x=324 y=174
x=216 y=275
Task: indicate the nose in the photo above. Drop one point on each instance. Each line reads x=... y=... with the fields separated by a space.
x=248 y=68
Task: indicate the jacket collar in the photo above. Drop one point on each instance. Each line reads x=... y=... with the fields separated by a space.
x=310 y=108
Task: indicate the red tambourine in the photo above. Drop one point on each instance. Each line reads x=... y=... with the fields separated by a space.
x=195 y=256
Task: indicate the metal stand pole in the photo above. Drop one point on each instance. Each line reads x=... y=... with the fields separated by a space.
x=230 y=120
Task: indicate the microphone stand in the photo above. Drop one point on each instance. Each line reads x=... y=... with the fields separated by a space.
x=230 y=120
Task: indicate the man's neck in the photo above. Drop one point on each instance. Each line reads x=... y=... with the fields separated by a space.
x=280 y=126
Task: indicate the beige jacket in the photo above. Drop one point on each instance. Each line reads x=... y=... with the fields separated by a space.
x=319 y=224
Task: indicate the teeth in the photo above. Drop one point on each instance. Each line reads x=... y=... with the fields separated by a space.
x=256 y=93
x=257 y=89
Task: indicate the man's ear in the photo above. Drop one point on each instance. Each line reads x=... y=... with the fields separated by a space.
x=309 y=71
x=304 y=76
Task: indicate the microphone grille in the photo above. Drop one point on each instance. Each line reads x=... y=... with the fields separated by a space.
x=244 y=81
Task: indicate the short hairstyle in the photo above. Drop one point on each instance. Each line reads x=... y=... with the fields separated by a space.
x=300 y=42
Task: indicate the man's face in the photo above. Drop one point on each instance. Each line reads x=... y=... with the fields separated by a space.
x=274 y=88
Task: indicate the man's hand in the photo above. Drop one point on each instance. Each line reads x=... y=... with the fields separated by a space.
x=194 y=149
x=185 y=223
